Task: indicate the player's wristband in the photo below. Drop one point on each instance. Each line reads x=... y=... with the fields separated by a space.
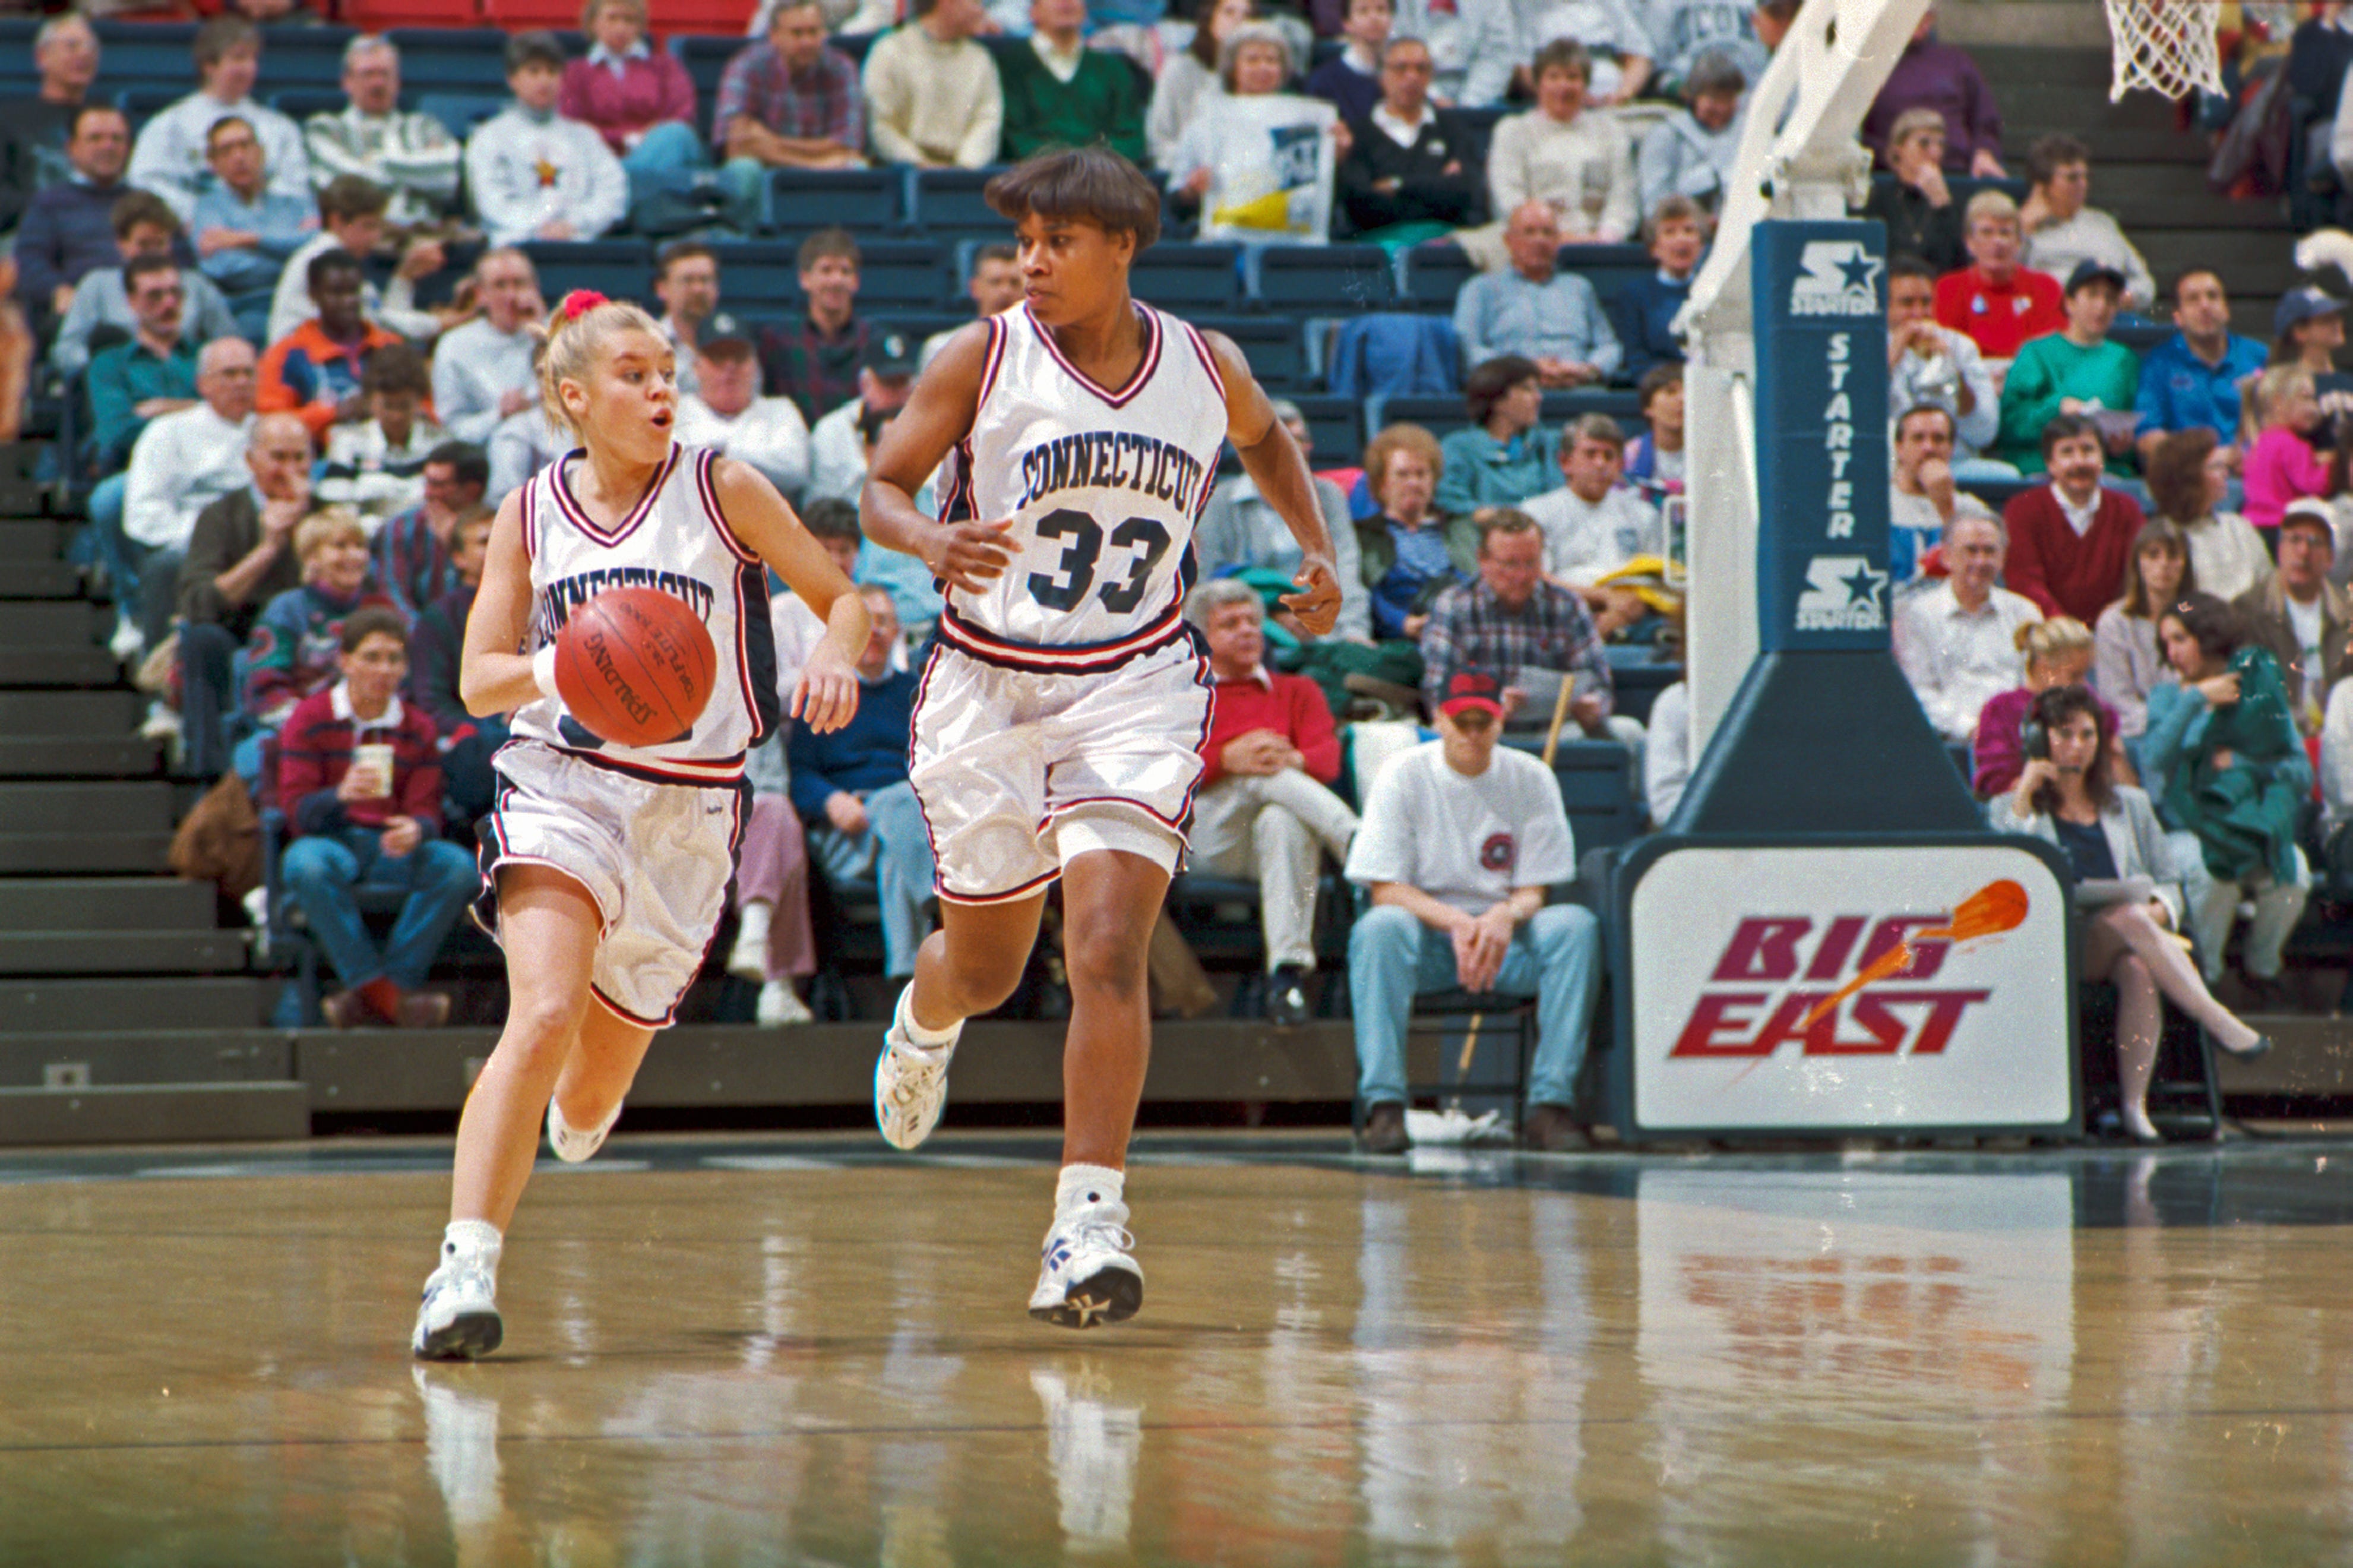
x=542 y=672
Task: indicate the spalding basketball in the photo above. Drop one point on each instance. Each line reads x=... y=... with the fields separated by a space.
x=636 y=665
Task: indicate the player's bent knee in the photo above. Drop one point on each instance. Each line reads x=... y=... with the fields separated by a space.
x=1106 y=960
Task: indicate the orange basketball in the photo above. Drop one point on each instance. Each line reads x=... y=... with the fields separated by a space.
x=636 y=665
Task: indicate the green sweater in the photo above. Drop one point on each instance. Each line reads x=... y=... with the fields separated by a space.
x=2049 y=368
x=1104 y=103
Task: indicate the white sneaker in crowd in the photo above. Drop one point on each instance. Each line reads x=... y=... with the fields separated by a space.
x=780 y=1004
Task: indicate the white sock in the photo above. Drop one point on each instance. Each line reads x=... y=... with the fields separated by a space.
x=924 y=1039
x=1081 y=1185
x=477 y=1239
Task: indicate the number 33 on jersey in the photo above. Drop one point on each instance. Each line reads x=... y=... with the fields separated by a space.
x=1103 y=486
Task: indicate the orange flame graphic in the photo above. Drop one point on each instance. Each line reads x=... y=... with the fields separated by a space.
x=1996 y=908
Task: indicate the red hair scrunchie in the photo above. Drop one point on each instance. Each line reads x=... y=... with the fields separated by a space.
x=580 y=301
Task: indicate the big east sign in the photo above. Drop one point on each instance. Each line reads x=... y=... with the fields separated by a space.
x=1768 y=991
x=1778 y=970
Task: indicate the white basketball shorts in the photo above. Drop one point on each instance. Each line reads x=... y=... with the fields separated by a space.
x=655 y=857
x=1018 y=770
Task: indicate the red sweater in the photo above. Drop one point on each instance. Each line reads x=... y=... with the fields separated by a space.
x=1998 y=317
x=2065 y=573
x=315 y=751
x=1291 y=706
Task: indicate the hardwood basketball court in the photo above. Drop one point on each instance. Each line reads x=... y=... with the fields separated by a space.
x=726 y=1350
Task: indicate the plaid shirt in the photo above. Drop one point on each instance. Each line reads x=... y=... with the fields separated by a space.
x=411 y=565
x=1469 y=630
x=819 y=373
x=825 y=105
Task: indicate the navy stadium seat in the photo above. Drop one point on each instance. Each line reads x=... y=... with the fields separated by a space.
x=864 y=201
x=705 y=59
x=1272 y=344
x=1442 y=417
x=1608 y=268
x=459 y=113
x=1560 y=408
x=1323 y=280
x=618 y=269
x=148 y=51
x=304 y=57
x=758 y=276
x=299 y=103
x=948 y=202
x=1435 y=274
x=1188 y=277
x=457 y=59
x=1335 y=430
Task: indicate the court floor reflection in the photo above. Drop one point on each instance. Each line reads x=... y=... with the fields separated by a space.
x=786 y=1353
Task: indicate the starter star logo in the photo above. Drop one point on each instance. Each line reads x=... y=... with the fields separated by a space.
x=1842 y=279
x=1843 y=593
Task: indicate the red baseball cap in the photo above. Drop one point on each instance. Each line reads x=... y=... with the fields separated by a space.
x=1473 y=689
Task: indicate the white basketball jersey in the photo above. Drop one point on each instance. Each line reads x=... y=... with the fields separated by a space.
x=1104 y=487
x=675 y=541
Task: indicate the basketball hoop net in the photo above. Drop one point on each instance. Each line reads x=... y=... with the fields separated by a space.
x=2165 y=46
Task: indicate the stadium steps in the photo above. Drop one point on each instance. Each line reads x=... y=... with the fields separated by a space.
x=125 y=1011
x=2148 y=170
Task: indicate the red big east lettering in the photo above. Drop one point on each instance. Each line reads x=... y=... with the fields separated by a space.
x=1776 y=968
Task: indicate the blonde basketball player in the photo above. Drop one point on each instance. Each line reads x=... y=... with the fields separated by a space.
x=1059 y=718
x=606 y=867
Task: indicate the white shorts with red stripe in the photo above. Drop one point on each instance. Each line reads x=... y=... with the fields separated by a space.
x=656 y=856
x=1020 y=766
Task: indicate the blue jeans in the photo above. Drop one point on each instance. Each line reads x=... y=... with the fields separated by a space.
x=144 y=579
x=1555 y=956
x=896 y=851
x=208 y=694
x=668 y=148
x=323 y=871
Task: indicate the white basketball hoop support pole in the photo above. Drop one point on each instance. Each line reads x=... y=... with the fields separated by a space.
x=1837 y=56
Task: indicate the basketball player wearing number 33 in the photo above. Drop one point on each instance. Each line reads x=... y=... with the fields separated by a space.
x=1058 y=717
x=606 y=866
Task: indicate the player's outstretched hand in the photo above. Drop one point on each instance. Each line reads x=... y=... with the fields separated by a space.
x=826 y=696
x=1317 y=602
x=967 y=554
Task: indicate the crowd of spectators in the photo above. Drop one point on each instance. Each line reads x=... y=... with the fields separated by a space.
x=283 y=442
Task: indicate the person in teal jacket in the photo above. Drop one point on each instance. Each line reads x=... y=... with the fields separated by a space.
x=2223 y=757
x=1505 y=458
x=2077 y=370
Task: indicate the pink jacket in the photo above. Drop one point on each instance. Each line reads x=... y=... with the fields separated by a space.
x=2281 y=466
x=649 y=89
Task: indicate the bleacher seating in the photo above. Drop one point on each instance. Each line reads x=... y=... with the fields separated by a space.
x=1189 y=279
x=622 y=269
x=866 y=201
x=947 y=202
x=1322 y=279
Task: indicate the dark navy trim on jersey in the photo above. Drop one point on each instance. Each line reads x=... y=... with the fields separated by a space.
x=727 y=771
x=755 y=639
x=706 y=485
x=1136 y=383
x=1059 y=659
x=577 y=515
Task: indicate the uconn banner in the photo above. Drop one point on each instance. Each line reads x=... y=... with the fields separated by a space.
x=1819 y=298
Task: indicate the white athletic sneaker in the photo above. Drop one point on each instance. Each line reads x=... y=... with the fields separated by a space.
x=780 y=1005
x=574 y=1145
x=911 y=1083
x=748 y=959
x=1086 y=1277
x=129 y=644
x=458 y=1320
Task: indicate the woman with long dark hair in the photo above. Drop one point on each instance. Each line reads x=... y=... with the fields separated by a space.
x=2125 y=659
x=2223 y=756
x=2067 y=796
